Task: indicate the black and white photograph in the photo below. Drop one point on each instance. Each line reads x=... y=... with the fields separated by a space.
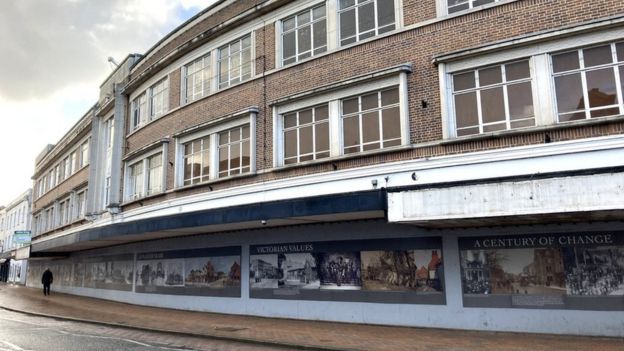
x=594 y=271
x=212 y=272
x=404 y=270
x=299 y=271
x=174 y=272
x=150 y=273
x=340 y=270
x=264 y=272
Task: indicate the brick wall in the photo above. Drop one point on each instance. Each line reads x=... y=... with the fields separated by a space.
x=62 y=190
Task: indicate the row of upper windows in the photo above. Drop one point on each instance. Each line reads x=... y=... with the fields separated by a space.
x=356 y=120
x=302 y=35
x=70 y=164
x=14 y=219
x=61 y=212
x=571 y=85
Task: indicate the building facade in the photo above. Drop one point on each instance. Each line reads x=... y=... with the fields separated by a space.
x=15 y=235
x=443 y=163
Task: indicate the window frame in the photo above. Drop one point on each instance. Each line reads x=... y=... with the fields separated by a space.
x=333 y=99
x=211 y=130
x=540 y=54
x=154 y=114
x=281 y=33
x=356 y=6
x=219 y=57
x=129 y=193
x=442 y=7
x=208 y=87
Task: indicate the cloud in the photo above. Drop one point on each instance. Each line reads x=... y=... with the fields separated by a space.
x=54 y=57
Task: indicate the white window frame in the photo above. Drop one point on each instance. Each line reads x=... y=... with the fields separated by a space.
x=539 y=55
x=208 y=62
x=333 y=99
x=64 y=212
x=79 y=208
x=139 y=111
x=151 y=98
x=282 y=32
x=442 y=7
x=397 y=13
x=129 y=192
x=84 y=149
x=212 y=131
x=229 y=60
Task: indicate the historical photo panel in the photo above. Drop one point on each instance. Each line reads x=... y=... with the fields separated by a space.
x=393 y=270
x=109 y=272
x=207 y=272
x=575 y=271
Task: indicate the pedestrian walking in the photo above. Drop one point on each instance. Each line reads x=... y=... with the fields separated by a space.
x=46 y=280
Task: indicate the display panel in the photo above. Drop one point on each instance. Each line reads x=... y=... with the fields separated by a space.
x=561 y=271
x=108 y=272
x=388 y=271
x=205 y=272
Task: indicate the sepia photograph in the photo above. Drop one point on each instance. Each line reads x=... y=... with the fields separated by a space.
x=405 y=270
x=212 y=272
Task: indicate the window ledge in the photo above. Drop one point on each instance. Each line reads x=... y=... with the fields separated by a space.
x=447 y=15
x=340 y=158
x=537 y=129
x=212 y=181
x=141 y=199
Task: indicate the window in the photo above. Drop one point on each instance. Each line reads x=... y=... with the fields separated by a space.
x=74 y=162
x=64 y=212
x=139 y=111
x=235 y=62
x=145 y=176
x=304 y=35
x=81 y=202
x=136 y=180
x=67 y=168
x=197 y=78
x=460 y=5
x=362 y=19
x=234 y=151
x=588 y=82
x=84 y=154
x=59 y=174
x=371 y=121
x=159 y=102
x=493 y=98
x=155 y=174
x=50 y=223
x=51 y=179
x=197 y=161
x=306 y=134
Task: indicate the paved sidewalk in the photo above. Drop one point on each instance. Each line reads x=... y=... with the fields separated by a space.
x=290 y=333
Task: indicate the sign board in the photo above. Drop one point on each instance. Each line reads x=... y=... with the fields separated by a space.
x=22 y=253
x=22 y=237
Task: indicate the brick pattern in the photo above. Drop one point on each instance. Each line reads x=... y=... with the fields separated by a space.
x=416 y=11
x=175 y=87
x=265 y=48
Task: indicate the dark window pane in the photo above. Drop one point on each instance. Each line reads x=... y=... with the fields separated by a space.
x=321 y=113
x=322 y=137
x=350 y=106
x=370 y=127
x=605 y=112
x=390 y=97
x=569 y=92
x=489 y=76
x=223 y=159
x=463 y=81
x=187 y=167
x=370 y=101
x=347 y=24
x=391 y=123
x=601 y=89
x=235 y=160
x=305 y=39
x=494 y=127
x=481 y=2
x=289 y=45
x=619 y=48
x=305 y=117
x=319 y=12
x=245 y=132
x=468 y=131
x=246 y=156
x=290 y=120
x=458 y=8
x=523 y=123
x=466 y=110
x=320 y=36
x=571 y=117
x=565 y=62
x=305 y=140
x=306 y=158
x=343 y=4
x=600 y=55
x=206 y=163
x=351 y=131
x=374 y=146
x=520 y=100
x=290 y=143
x=492 y=105
x=288 y=24
x=366 y=17
x=385 y=12
x=223 y=138
x=303 y=18
x=235 y=135
x=517 y=70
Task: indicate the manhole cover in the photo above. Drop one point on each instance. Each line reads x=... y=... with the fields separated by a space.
x=229 y=329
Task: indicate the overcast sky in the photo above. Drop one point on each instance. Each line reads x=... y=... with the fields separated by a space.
x=53 y=58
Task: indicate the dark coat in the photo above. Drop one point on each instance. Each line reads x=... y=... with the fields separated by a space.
x=47 y=277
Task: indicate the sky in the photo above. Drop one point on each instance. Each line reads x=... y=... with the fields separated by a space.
x=53 y=58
